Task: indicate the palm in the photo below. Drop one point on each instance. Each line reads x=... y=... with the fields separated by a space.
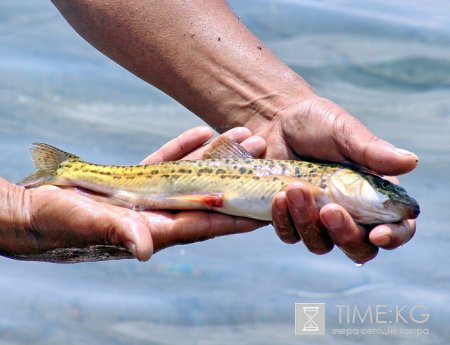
x=83 y=221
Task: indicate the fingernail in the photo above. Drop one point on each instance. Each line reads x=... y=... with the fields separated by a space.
x=280 y=203
x=382 y=237
x=296 y=196
x=383 y=240
x=333 y=219
x=406 y=153
x=131 y=247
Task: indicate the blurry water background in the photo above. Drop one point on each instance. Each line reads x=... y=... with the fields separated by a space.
x=388 y=62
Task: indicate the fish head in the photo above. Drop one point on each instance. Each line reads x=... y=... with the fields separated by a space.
x=371 y=199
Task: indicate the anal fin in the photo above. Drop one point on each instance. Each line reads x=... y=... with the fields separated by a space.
x=193 y=201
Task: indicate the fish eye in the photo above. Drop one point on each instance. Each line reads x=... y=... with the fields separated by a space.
x=385 y=184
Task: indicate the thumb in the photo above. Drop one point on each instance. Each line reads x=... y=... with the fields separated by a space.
x=134 y=235
x=360 y=145
x=337 y=130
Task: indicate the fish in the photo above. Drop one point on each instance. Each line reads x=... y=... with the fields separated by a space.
x=227 y=180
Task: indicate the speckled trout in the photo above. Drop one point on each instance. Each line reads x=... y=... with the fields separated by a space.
x=227 y=180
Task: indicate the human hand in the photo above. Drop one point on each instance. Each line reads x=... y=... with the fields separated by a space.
x=36 y=221
x=321 y=129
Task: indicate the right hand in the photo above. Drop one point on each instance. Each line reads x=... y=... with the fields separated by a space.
x=319 y=128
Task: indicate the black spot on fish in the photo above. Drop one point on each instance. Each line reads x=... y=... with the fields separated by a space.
x=242 y=170
x=206 y=171
x=140 y=173
x=220 y=171
x=129 y=177
x=154 y=172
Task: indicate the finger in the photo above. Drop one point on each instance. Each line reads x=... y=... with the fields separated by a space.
x=180 y=146
x=391 y=236
x=305 y=216
x=346 y=234
x=281 y=220
x=192 y=226
x=115 y=225
x=255 y=145
x=237 y=134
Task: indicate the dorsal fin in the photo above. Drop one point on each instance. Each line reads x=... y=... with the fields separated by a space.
x=223 y=147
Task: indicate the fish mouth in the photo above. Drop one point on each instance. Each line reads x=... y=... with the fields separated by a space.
x=409 y=210
x=413 y=211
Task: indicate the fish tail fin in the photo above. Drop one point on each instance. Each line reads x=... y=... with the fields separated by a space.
x=47 y=159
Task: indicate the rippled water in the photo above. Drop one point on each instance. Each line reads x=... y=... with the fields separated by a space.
x=385 y=61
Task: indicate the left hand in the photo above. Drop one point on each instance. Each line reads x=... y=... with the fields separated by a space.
x=35 y=221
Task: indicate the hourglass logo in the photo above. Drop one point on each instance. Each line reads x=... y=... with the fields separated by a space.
x=309 y=318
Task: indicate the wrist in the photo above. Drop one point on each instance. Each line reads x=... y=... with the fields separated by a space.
x=14 y=215
x=263 y=115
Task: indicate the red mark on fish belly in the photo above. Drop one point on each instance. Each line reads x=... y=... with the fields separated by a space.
x=213 y=200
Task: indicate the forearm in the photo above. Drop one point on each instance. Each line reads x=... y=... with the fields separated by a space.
x=198 y=52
